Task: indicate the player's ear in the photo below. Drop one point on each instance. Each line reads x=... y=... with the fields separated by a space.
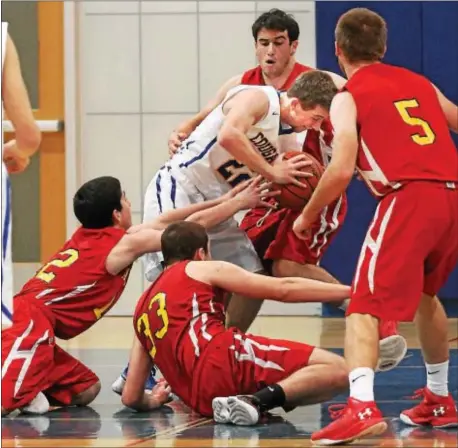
x=116 y=217
x=199 y=255
x=336 y=49
x=294 y=47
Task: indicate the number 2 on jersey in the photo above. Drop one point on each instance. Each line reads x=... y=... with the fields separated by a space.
x=71 y=256
x=422 y=140
x=143 y=324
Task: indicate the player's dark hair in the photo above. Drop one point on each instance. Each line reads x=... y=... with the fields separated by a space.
x=95 y=201
x=181 y=240
x=313 y=88
x=361 y=34
x=277 y=20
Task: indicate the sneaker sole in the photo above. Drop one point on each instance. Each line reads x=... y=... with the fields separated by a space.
x=393 y=350
x=407 y=421
x=242 y=413
x=221 y=412
x=375 y=430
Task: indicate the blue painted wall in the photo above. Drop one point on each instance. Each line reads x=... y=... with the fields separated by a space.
x=422 y=36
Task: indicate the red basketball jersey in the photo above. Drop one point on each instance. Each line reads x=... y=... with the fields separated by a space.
x=74 y=288
x=312 y=144
x=403 y=132
x=175 y=320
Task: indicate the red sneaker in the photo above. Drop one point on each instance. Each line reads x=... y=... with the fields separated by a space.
x=355 y=420
x=434 y=410
x=393 y=347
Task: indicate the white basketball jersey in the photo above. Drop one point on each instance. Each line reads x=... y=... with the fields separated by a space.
x=205 y=165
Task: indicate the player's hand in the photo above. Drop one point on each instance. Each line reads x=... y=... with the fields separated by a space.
x=287 y=171
x=14 y=159
x=175 y=141
x=254 y=193
x=301 y=226
x=159 y=395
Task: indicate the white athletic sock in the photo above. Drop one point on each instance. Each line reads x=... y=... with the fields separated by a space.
x=437 y=378
x=362 y=384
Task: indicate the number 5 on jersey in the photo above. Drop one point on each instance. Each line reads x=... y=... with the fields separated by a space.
x=429 y=137
x=143 y=324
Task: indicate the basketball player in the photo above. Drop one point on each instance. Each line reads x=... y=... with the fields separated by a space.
x=393 y=125
x=79 y=285
x=15 y=154
x=276 y=37
x=180 y=326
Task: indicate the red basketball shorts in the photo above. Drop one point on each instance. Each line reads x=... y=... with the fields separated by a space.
x=237 y=363
x=411 y=247
x=273 y=237
x=33 y=363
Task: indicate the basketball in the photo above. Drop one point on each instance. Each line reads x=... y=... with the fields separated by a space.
x=293 y=197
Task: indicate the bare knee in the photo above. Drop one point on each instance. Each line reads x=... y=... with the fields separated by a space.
x=286 y=268
x=87 y=396
x=336 y=364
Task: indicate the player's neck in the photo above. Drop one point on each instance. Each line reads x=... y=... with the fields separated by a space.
x=279 y=81
x=351 y=69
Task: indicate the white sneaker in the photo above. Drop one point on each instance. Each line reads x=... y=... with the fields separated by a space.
x=240 y=410
x=392 y=350
x=39 y=405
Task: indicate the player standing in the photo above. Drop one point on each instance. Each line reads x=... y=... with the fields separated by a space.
x=180 y=326
x=393 y=125
x=15 y=153
x=79 y=285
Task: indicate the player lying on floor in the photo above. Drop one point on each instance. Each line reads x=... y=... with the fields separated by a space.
x=180 y=326
x=80 y=284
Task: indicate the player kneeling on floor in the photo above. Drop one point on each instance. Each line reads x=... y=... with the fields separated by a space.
x=180 y=326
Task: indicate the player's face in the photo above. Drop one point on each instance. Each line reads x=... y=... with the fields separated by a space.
x=301 y=119
x=274 y=51
x=125 y=219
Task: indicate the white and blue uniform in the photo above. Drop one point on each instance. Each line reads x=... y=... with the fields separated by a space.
x=203 y=170
x=7 y=265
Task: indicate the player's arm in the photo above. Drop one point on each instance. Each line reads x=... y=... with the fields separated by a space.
x=133 y=394
x=248 y=194
x=186 y=127
x=341 y=168
x=17 y=105
x=234 y=279
x=147 y=239
x=450 y=110
x=243 y=111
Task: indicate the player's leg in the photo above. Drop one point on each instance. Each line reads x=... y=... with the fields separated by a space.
x=27 y=361
x=438 y=407
x=293 y=257
x=230 y=243
x=279 y=373
x=388 y=283
x=71 y=382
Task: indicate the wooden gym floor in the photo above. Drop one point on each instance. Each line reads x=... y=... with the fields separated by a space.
x=108 y=424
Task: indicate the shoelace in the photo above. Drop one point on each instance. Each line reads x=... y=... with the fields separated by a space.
x=336 y=410
x=418 y=394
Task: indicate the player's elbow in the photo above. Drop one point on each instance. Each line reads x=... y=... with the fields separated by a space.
x=227 y=137
x=130 y=400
